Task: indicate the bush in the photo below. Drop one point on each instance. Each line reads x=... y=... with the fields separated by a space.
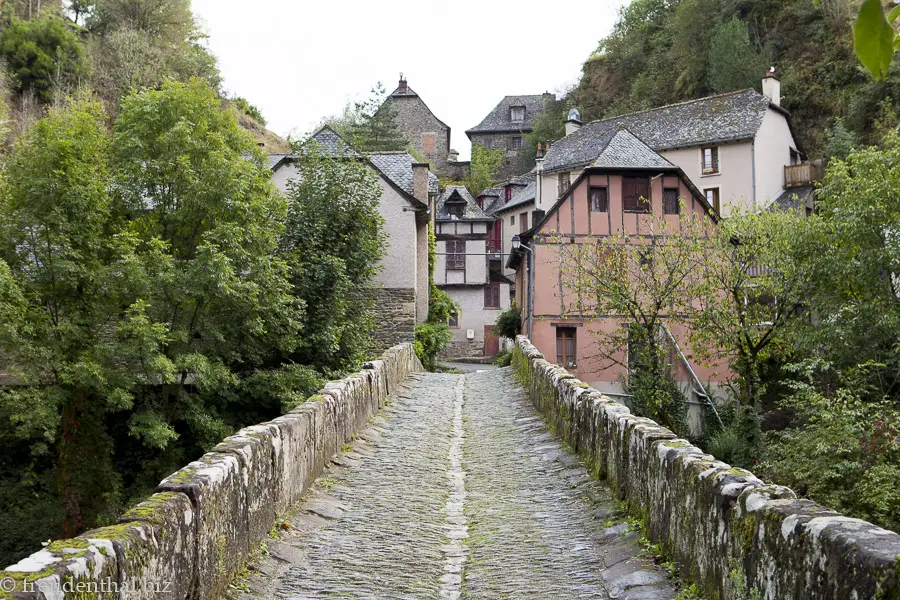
x=35 y=51
x=504 y=359
x=509 y=323
x=431 y=338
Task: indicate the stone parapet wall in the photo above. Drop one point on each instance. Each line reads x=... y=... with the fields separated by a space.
x=197 y=531
x=395 y=317
x=728 y=531
x=465 y=349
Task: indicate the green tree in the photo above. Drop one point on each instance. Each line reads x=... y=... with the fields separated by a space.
x=375 y=126
x=248 y=109
x=549 y=126
x=42 y=55
x=733 y=61
x=75 y=264
x=840 y=140
x=208 y=220
x=483 y=169
x=333 y=242
x=434 y=334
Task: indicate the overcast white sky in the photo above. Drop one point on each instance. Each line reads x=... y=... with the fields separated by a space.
x=301 y=60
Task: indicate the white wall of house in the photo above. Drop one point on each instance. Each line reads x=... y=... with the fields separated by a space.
x=476 y=259
x=508 y=229
x=774 y=143
x=550 y=188
x=473 y=315
x=734 y=179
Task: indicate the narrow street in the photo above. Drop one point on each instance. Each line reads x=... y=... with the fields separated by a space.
x=458 y=490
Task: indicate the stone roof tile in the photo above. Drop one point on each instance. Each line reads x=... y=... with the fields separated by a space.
x=498 y=120
x=471 y=212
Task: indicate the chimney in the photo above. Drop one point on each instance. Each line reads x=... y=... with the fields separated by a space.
x=402 y=88
x=573 y=123
x=771 y=87
x=453 y=156
x=420 y=181
x=538 y=174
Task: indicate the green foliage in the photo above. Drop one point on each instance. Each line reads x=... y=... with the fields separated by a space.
x=434 y=335
x=333 y=242
x=840 y=140
x=654 y=392
x=549 y=126
x=371 y=124
x=248 y=109
x=42 y=55
x=483 y=169
x=509 y=323
x=504 y=359
x=733 y=62
x=874 y=38
x=845 y=454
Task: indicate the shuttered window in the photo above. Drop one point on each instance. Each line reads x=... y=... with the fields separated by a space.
x=565 y=345
x=428 y=143
x=456 y=254
x=636 y=194
x=670 y=201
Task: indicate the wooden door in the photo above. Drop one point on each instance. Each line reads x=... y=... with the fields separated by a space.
x=491 y=341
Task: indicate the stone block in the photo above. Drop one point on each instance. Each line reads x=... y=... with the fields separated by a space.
x=215 y=486
x=82 y=567
x=295 y=464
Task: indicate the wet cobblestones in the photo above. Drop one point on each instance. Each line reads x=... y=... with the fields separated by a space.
x=458 y=491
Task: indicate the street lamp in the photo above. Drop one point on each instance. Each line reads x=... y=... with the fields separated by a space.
x=529 y=309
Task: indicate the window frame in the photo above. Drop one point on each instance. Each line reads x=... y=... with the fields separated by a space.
x=714 y=165
x=717 y=201
x=677 y=204
x=564 y=182
x=648 y=199
x=491 y=295
x=514 y=142
x=564 y=334
x=512 y=113
x=455 y=255
x=453 y=320
x=523 y=222
x=597 y=188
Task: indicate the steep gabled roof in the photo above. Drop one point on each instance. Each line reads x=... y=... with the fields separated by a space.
x=471 y=212
x=398 y=167
x=730 y=117
x=498 y=120
x=333 y=143
x=411 y=94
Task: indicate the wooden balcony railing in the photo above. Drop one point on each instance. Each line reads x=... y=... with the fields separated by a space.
x=804 y=174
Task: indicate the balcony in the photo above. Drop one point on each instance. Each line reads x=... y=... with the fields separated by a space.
x=804 y=174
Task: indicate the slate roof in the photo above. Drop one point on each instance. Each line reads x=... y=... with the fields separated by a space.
x=332 y=143
x=713 y=120
x=397 y=166
x=794 y=198
x=274 y=159
x=498 y=119
x=471 y=213
x=521 y=196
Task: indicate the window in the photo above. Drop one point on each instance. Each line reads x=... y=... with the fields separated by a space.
x=523 y=222
x=599 y=199
x=514 y=143
x=512 y=220
x=564 y=183
x=712 y=198
x=492 y=295
x=507 y=194
x=488 y=142
x=428 y=143
x=456 y=208
x=710 y=160
x=670 y=201
x=453 y=320
x=456 y=255
x=516 y=114
x=636 y=194
x=495 y=237
x=565 y=346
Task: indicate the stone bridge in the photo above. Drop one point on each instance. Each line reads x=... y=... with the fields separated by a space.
x=511 y=483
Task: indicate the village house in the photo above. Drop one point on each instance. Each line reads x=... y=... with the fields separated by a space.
x=424 y=132
x=464 y=270
x=408 y=190
x=737 y=148
x=618 y=190
x=505 y=127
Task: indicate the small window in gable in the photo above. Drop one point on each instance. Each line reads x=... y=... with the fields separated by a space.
x=710 y=160
x=517 y=114
x=599 y=199
x=456 y=208
x=428 y=143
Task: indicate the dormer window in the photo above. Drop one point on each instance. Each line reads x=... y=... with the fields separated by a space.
x=456 y=208
x=517 y=114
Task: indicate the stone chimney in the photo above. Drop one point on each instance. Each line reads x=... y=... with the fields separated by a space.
x=420 y=181
x=771 y=87
x=402 y=88
x=573 y=123
x=453 y=155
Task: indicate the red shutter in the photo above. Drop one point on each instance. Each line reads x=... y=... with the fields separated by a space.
x=428 y=143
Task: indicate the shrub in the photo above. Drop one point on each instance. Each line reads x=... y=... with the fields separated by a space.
x=509 y=323
x=39 y=51
x=431 y=338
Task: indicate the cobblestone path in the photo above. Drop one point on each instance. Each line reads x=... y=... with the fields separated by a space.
x=458 y=491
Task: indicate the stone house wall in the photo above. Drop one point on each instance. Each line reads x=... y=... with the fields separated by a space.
x=511 y=166
x=416 y=120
